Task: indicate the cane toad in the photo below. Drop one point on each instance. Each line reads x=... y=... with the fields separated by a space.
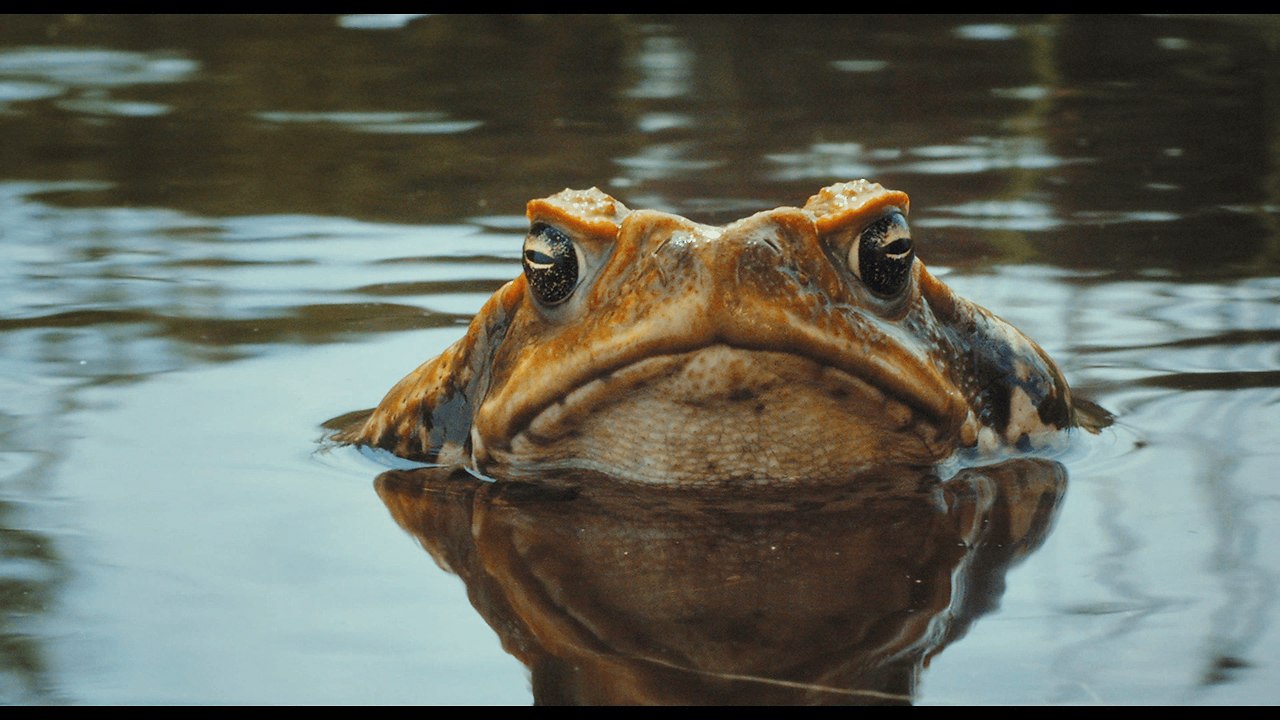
x=797 y=343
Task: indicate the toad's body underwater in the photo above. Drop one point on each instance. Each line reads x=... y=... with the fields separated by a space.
x=798 y=343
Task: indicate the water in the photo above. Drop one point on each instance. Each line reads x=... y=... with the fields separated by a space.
x=221 y=231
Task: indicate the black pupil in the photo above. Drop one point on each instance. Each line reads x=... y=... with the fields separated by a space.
x=538 y=258
x=550 y=264
x=897 y=247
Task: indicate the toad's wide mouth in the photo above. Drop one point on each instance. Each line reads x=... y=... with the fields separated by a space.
x=724 y=411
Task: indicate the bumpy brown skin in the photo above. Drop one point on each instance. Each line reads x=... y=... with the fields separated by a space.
x=748 y=353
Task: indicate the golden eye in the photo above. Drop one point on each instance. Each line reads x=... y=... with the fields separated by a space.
x=552 y=264
x=882 y=255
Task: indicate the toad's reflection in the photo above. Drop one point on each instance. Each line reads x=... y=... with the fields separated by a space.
x=615 y=594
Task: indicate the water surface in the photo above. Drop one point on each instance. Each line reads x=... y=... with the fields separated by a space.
x=221 y=231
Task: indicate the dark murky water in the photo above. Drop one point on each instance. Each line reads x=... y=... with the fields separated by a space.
x=218 y=232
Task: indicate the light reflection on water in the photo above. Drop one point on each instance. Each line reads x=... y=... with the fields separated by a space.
x=219 y=232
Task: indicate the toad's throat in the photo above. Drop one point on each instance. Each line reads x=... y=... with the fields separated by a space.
x=723 y=405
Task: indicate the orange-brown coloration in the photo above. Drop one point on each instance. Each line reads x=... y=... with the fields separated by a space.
x=747 y=352
x=844 y=204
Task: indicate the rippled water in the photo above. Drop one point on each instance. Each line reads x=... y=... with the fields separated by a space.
x=221 y=231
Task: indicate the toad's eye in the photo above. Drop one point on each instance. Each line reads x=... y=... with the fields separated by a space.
x=552 y=264
x=882 y=255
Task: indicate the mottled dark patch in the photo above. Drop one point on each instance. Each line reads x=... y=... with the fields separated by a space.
x=388 y=440
x=1052 y=410
x=447 y=422
x=993 y=402
x=993 y=363
x=741 y=394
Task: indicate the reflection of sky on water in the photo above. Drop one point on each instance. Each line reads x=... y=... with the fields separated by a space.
x=377 y=122
x=665 y=65
x=376 y=22
x=199 y=270
x=986 y=31
x=74 y=270
x=83 y=79
x=84 y=68
x=165 y=268
x=979 y=155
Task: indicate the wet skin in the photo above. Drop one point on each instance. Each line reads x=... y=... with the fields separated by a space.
x=797 y=343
